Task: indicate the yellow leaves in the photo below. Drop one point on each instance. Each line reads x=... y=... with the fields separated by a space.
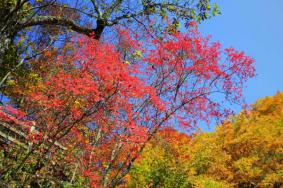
x=171 y=8
x=248 y=149
x=32 y=82
x=137 y=54
x=163 y=14
x=270 y=106
x=77 y=104
x=11 y=82
x=161 y=163
x=246 y=166
x=34 y=77
x=207 y=182
x=272 y=178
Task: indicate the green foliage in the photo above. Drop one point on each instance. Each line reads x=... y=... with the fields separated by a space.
x=9 y=61
x=160 y=169
x=215 y=10
x=207 y=182
x=159 y=166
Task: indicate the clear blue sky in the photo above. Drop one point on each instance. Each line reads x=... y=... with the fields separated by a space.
x=256 y=27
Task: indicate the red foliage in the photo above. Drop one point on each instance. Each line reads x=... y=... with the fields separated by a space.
x=94 y=102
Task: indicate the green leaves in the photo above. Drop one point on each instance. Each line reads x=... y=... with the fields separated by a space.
x=215 y=10
x=137 y=54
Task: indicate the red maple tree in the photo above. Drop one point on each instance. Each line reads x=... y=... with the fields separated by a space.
x=104 y=101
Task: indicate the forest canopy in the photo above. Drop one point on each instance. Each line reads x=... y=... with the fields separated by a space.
x=92 y=91
x=245 y=151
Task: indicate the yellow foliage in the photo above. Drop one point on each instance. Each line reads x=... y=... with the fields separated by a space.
x=246 y=151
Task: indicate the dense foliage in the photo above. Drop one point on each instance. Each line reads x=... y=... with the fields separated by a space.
x=243 y=152
x=104 y=109
x=85 y=85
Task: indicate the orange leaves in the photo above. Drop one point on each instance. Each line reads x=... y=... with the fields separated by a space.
x=246 y=149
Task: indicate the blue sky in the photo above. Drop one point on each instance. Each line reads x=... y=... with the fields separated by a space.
x=256 y=27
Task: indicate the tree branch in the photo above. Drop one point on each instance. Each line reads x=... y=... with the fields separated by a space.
x=51 y=20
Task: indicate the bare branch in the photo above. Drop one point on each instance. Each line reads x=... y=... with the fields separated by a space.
x=51 y=20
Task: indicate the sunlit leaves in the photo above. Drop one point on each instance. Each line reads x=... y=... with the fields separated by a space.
x=244 y=151
x=103 y=101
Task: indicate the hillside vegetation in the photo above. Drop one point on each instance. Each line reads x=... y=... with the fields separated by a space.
x=246 y=151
